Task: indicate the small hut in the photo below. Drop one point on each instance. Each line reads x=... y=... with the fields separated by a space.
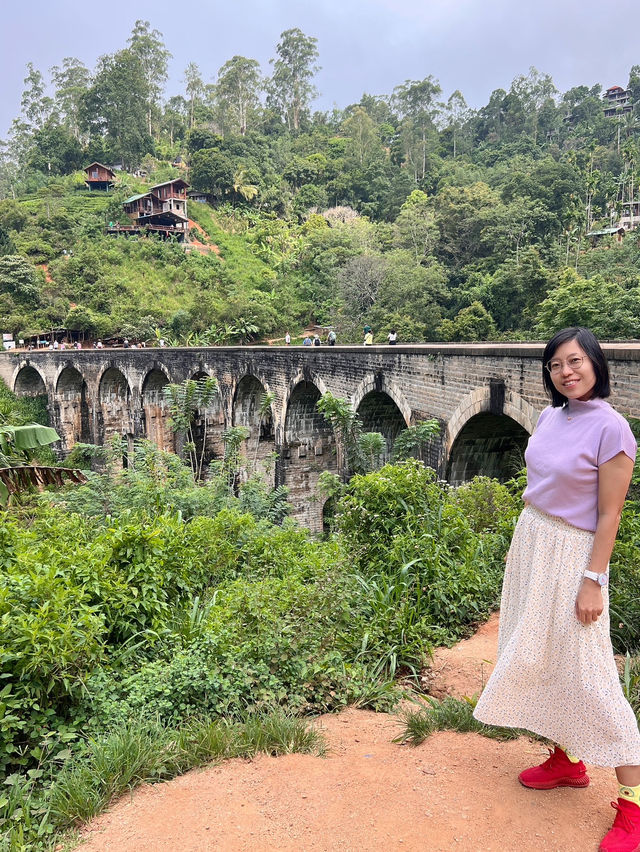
x=99 y=176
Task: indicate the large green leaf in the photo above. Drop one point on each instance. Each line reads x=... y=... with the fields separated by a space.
x=28 y=437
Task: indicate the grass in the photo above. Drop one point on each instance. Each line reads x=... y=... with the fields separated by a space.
x=454 y=714
x=138 y=753
x=239 y=260
x=450 y=714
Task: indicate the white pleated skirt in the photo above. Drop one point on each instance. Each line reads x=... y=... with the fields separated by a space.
x=555 y=676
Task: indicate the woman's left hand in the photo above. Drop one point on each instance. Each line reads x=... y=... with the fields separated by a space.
x=589 y=604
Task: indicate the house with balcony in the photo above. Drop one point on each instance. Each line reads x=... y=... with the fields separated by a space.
x=629 y=215
x=173 y=195
x=99 y=176
x=617 y=101
x=163 y=210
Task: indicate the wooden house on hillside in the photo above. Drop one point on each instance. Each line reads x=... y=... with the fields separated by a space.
x=163 y=209
x=617 y=101
x=99 y=176
x=630 y=215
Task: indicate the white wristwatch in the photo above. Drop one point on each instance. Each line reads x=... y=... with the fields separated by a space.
x=600 y=579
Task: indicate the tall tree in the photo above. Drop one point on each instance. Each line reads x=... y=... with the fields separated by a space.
x=150 y=49
x=417 y=105
x=71 y=81
x=458 y=114
x=115 y=107
x=361 y=130
x=490 y=119
x=36 y=106
x=237 y=93
x=634 y=87
x=174 y=119
x=416 y=227
x=290 y=88
x=534 y=91
x=195 y=88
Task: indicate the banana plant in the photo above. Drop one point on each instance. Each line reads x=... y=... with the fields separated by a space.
x=17 y=473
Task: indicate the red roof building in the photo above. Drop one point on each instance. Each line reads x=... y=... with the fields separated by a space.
x=617 y=101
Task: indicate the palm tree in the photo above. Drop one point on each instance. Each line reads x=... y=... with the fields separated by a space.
x=185 y=401
x=240 y=186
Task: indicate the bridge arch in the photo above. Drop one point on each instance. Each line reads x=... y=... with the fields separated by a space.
x=379 y=383
x=488 y=433
x=308 y=449
x=209 y=423
x=29 y=382
x=114 y=414
x=379 y=413
x=72 y=415
x=246 y=405
x=155 y=409
x=382 y=407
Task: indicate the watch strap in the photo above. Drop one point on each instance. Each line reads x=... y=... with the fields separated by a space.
x=600 y=579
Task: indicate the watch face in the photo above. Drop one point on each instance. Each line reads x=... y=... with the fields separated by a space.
x=603 y=579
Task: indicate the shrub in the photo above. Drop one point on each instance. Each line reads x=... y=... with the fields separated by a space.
x=624 y=591
x=51 y=638
x=430 y=567
x=487 y=504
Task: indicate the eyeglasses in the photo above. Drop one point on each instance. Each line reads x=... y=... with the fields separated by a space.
x=556 y=365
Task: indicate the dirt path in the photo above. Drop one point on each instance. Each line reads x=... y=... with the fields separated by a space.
x=453 y=792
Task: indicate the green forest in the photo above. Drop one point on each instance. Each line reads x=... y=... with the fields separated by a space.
x=152 y=620
x=407 y=210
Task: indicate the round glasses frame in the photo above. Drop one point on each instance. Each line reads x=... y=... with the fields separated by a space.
x=556 y=365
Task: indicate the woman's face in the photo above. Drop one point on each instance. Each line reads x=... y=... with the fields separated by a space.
x=572 y=380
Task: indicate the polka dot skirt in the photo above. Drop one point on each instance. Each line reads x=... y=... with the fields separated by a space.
x=555 y=676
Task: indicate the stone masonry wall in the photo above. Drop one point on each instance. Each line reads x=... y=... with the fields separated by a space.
x=452 y=382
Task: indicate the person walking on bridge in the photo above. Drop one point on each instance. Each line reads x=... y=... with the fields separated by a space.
x=556 y=674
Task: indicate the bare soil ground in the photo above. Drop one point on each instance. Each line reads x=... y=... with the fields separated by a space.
x=196 y=244
x=453 y=792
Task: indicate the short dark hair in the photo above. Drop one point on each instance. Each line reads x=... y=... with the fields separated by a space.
x=589 y=344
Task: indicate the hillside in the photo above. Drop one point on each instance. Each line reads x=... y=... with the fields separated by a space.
x=106 y=285
x=403 y=211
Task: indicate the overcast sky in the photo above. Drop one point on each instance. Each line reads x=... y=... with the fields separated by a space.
x=365 y=45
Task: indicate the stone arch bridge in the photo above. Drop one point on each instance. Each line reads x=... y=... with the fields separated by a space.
x=487 y=398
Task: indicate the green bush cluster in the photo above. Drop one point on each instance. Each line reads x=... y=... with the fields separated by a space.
x=118 y=613
x=430 y=557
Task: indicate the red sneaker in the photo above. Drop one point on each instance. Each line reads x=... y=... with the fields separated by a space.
x=625 y=833
x=556 y=771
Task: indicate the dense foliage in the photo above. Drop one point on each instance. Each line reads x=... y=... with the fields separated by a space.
x=142 y=599
x=142 y=605
x=406 y=210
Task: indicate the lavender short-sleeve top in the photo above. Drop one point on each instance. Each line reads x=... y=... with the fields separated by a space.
x=563 y=456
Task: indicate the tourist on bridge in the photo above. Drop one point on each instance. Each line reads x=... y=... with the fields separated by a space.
x=316 y=340
x=287 y=339
x=556 y=674
x=307 y=341
x=368 y=336
x=392 y=337
x=331 y=338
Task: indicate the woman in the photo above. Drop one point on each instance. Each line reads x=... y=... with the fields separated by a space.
x=556 y=674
